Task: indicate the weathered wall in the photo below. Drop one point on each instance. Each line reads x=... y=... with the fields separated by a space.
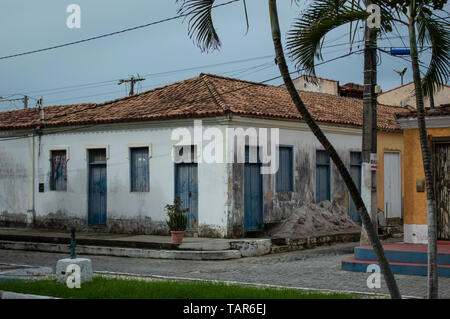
x=404 y=96
x=127 y=212
x=320 y=86
x=279 y=205
x=415 y=204
x=14 y=182
x=388 y=141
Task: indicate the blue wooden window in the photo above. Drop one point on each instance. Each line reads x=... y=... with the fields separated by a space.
x=139 y=169
x=58 y=174
x=322 y=176
x=285 y=173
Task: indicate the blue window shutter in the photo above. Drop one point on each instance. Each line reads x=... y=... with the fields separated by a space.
x=322 y=176
x=139 y=169
x=284 y=175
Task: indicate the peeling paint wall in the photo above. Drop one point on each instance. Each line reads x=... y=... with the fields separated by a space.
x=280 y=205
x=14 y=183
x=127 y=212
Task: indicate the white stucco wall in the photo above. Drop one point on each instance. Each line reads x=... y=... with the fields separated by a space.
x=132 y=207
x=15 y=180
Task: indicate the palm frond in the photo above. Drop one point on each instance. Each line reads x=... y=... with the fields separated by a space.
x=201 y=27
x=307 y=32
x=437 y=34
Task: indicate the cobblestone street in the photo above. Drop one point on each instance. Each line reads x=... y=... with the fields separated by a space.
x=318 y=268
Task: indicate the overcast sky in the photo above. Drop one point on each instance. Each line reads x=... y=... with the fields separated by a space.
x=89 y=72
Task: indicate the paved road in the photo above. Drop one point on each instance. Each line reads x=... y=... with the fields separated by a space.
x=317 y=268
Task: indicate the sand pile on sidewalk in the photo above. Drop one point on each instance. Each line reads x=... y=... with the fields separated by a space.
x=311 y=219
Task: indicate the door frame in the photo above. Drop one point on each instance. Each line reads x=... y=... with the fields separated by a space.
x=260 y=188
x=175 y=178
x=87 y=154
x=401 y=179
x=436 y=141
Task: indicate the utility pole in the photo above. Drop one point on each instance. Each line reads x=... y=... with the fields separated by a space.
x=41 y=108
x=132 y=81
x=25 y=101
x=369 y=139
x=401 y=73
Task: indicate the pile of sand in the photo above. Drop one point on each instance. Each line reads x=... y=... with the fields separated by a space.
x=311 y=219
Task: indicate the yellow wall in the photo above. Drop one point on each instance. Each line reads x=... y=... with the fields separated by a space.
x=387 y=141
x=415 y=203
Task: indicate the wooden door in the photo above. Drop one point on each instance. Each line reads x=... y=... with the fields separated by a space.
x=393 y=184
x=186 y=190
x=97 y=196
x=442 y=188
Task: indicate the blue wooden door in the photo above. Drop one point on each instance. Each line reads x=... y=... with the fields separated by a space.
x=186 y=189
x=322 y=176
x=97 y=187
x=355 y=172
x=97 y=194
x=253 y=199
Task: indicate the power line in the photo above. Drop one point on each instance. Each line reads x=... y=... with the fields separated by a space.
x=179 y=105
x=108 y=34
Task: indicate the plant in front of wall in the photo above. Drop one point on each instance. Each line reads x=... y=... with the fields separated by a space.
x=177 y=220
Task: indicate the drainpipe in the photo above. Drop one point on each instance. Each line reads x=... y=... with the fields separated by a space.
x=31 y=184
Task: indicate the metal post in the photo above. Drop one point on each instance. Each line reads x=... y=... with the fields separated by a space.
x=73 y=244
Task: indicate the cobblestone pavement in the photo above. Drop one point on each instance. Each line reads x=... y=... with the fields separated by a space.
x=317 y=268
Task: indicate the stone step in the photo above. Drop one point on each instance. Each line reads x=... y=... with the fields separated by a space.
x=406 y=253
x=130 y=252
x=403 y=268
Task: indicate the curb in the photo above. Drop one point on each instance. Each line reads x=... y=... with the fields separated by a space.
x=16 y=295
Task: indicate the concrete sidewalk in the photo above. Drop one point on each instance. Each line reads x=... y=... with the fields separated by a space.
x=161 y=247
x=140 y=246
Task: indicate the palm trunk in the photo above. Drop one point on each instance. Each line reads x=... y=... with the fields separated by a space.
x=378 y=248
x=431 y=202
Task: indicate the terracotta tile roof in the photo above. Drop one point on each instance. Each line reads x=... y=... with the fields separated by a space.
x=202 y=96
x=442 y=110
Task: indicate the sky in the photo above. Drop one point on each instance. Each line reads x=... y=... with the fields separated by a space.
x=161 y=53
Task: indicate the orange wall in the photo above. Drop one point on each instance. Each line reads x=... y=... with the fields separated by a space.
x=415 y=203
x=387 y=141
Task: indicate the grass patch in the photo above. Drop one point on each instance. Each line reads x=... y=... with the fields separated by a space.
x=113 y=288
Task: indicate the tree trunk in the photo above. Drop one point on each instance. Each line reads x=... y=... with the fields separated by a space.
x=378 y=248
x=431 y=202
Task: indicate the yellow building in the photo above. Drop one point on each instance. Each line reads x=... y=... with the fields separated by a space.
x=415 y=199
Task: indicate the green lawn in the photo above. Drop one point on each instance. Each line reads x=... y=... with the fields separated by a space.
x=112 y=288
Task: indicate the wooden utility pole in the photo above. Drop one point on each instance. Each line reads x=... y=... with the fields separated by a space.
x=369 y=139
x=132 y=81
x=25 y=101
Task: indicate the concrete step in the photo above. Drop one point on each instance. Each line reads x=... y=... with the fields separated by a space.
x=130 y=252
x=406 y=253
x=403 y=268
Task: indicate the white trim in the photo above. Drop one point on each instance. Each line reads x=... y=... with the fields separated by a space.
x=59 y=148
x=136 y=145
x=431 y=122
x=415 y=234
x=295 y=125
x=96 y=146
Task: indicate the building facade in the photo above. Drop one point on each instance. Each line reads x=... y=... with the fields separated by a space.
x=114 y=166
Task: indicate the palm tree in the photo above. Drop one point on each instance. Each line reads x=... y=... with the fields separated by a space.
x=201 y=28
x=419 y=15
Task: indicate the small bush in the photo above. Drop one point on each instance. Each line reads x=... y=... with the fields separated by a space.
x=177 y=218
